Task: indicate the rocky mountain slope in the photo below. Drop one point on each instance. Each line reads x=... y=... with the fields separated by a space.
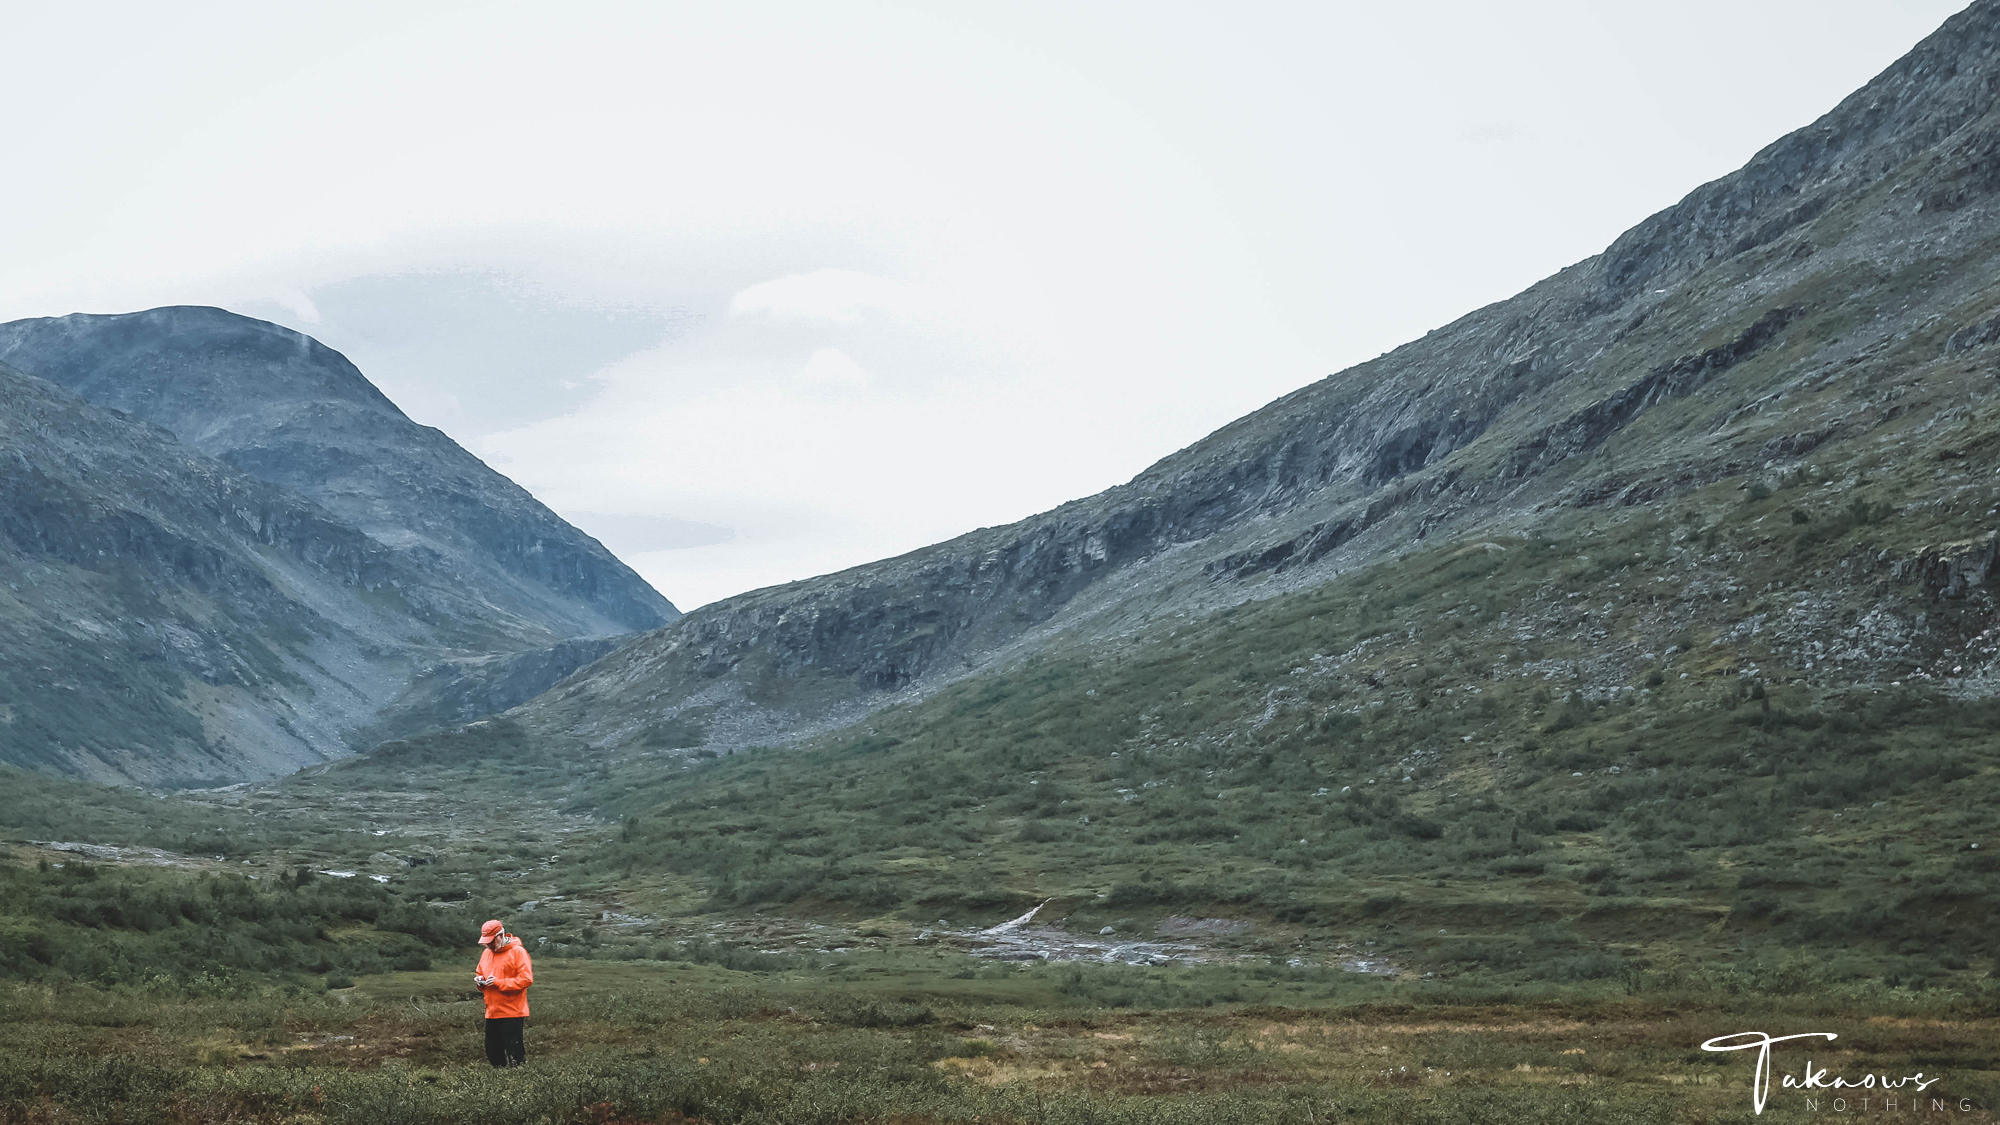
x=1832 y=304
x=286 y=409
x=169 y=619
x=299 y=572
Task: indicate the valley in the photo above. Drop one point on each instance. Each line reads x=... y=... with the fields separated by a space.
x=889 y=1036
x=1466 y=736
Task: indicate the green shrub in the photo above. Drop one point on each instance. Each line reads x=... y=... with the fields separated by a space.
x=136 y=925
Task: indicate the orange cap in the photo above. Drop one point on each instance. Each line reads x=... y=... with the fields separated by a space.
x=490 y=931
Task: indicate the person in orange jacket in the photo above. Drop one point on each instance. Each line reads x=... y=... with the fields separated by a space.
x=503 y=977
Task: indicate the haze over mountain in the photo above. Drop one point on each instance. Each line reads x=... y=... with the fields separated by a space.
x=304 y=569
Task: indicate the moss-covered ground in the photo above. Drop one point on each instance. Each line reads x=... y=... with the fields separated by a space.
x=677 y=1042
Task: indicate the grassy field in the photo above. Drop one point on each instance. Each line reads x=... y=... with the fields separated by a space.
x=677 y=1042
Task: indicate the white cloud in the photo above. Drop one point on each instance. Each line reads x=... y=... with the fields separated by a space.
x=833 y=367
x=841 y=296
x=294 y=301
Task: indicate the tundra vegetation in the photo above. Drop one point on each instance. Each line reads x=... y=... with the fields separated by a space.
x=1576 y=877
x=898 y=1037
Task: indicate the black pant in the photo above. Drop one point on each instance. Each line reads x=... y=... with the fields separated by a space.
x=504 y=1045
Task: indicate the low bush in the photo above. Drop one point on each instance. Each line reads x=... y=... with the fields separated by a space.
x=130 y=925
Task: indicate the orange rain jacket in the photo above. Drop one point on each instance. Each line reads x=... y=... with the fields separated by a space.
x=512 y=973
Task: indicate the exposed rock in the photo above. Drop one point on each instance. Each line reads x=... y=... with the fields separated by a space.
x=168 y=619
x=1950 y=570
x=1973 y=336
x=1178 y=925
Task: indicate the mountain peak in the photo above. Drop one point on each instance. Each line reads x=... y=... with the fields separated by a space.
x=287 y=409
x=1944 y=83
x=177 y=365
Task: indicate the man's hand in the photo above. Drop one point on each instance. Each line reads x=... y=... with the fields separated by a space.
x=481 y=981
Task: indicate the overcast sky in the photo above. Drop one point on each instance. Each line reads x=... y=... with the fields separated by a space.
x=758 y=291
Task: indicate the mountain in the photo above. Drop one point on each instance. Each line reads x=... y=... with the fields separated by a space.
x=1615 y=621
x=297 y=572
x=286 y=409
x=1783 y=311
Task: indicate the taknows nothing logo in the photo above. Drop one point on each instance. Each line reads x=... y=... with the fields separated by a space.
x=1839 y=1093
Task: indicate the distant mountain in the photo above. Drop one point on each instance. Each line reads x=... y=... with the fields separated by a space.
x=241 y=558
x=287 y=409
x=171 y=620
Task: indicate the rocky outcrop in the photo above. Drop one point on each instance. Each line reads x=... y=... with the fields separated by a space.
x=1952 y=570
x=1973 y=336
